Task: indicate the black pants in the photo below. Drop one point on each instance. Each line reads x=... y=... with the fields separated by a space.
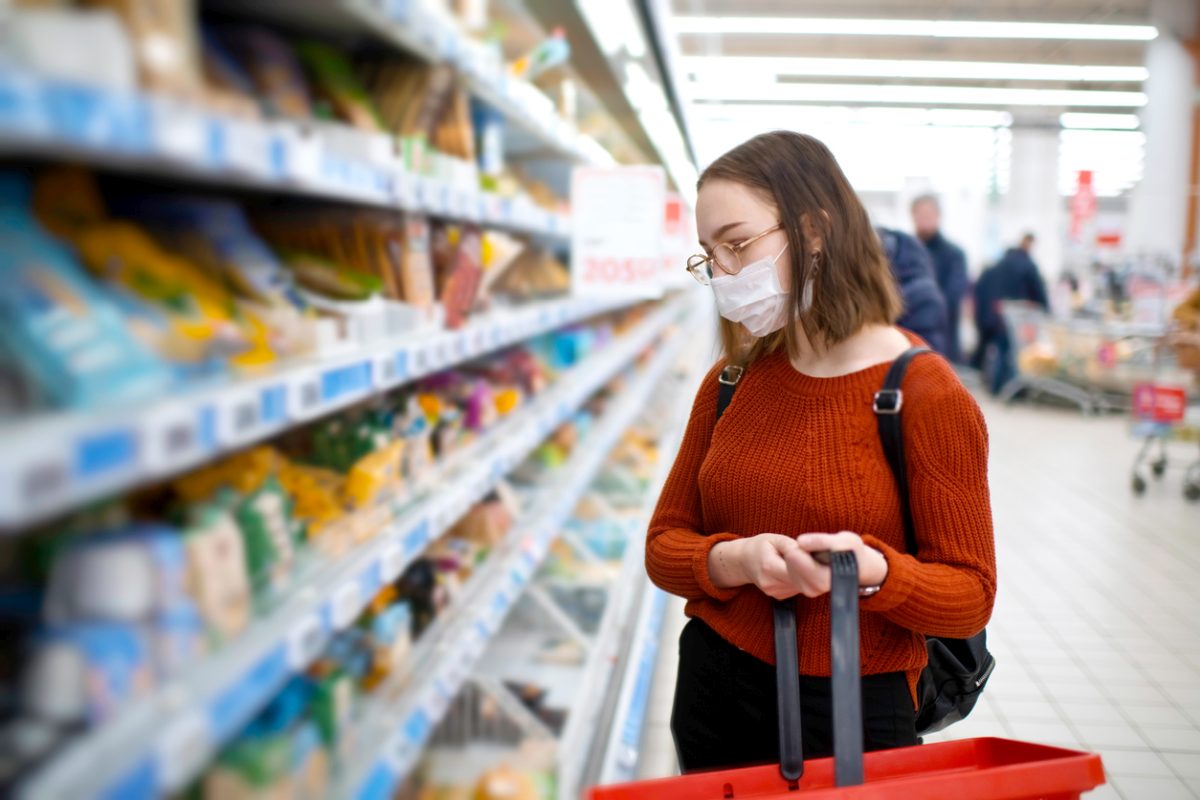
x=726 y=714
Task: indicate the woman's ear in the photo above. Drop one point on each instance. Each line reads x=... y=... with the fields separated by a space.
x=813 y=237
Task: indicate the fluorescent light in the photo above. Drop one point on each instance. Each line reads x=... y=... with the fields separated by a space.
x=758 y=67
x=1121 y=122
x=912 y=27
x=889 y=115
x=613 y=26
x=906 y=95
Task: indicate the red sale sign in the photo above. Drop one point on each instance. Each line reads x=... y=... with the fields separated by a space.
x=1159 y=403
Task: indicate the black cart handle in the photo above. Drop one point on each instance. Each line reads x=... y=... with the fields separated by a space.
x=846 y=681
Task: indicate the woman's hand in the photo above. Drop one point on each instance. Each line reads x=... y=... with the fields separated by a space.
x=872 y=565
x=774 y=563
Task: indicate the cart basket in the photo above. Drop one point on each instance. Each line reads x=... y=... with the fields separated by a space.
x=980 y=769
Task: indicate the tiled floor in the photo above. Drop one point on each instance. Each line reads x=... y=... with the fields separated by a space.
x=1097 y=622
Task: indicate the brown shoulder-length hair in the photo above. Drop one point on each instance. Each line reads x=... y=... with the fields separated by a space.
x=853 y=283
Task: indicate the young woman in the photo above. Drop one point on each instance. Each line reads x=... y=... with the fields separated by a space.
x=795 y=467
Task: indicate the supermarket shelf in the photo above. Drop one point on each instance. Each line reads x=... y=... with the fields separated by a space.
x=446 y=655
x=168 y=138
x=625 y=732
x=157 y=745
x=583 y=719
x=55 y=462
x=421 y=32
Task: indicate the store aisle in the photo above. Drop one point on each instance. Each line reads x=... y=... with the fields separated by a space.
x=1095 y=629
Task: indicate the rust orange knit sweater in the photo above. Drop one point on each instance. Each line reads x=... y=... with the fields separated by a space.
x=795 y=454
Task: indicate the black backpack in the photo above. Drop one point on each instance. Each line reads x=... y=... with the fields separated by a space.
x=958 y=669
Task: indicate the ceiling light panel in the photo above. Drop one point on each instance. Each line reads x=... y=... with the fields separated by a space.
x=833 y=93
x=759 y=67
x=949 y=29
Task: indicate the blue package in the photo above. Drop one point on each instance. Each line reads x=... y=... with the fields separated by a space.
x=63 y=333
x=116 y=663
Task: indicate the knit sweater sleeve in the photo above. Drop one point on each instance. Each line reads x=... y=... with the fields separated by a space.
x=677 y=546
x=949 y=588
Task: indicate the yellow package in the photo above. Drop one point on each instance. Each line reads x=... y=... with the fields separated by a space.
x=243 y=472
x=316 y=494
x=374 y=474
x=204 y=316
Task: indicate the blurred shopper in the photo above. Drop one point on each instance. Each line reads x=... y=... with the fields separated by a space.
x=949 y=267
x=795 y=468
x=924 y=308
x=1014 y=277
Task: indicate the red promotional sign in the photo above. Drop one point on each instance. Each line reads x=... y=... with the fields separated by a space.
x=1158 y=403
x=1083 y=204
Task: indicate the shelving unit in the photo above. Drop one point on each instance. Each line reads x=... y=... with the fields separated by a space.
x=416 y=30
x=168 y=138
x=157 y=745
x=57 y=463
x=72 y=458
x=447 y=654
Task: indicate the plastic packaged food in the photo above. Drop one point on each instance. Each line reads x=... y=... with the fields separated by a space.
x=65 y=335
x=273 y=67
x=339 y=87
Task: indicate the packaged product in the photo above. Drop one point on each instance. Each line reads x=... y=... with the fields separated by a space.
x=205 y=321
x=61 y=331
x=458 y=258
x=89 y=47
x=126 y=575
x=375 y=475
x=416 y=264
x=338 y=87
x=229 y=87
x=273 y=68
x=271 y=537
x=217 y=574
x=105 y=664
x=165 y=41
x=217 y=236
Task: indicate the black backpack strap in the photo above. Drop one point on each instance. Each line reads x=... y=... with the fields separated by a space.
x=727 y=383
x=889 y=401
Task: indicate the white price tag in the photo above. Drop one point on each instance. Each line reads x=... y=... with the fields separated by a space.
x=239 y=417
x=247 y=146
x=184 y=746
x=385 y=373
x=173 y=438
x=304 y=394
x=180 y=130
x=347 y=602
x=391 y=563
x=302 y=153
x=305 y=641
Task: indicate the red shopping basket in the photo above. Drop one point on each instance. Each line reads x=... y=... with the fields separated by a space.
x=979 y=769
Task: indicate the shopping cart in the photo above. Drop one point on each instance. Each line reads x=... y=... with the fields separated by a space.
x=1163 y=412
x=982 y=769
x=1038 y=344
x=1093 y=363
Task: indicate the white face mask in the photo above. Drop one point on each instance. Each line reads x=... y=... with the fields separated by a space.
x=753 y=297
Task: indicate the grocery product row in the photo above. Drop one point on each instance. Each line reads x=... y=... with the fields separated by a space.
x=174 y=326
x=531 y=719
x=160 y=623
x=200 y=91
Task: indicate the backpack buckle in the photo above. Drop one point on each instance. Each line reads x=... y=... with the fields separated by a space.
x=731 y=375
x=888 y=401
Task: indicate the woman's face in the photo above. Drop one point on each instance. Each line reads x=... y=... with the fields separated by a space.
x=729 y=213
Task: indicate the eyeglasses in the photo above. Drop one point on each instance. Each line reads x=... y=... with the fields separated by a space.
x=728 y=258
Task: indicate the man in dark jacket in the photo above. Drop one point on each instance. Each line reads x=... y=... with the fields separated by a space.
x=1014 y=277
x=949 y=266
x=924 y=309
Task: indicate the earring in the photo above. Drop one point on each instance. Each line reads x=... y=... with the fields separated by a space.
x=806 y=298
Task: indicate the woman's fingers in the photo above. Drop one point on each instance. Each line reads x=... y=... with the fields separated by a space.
x=809 y=577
